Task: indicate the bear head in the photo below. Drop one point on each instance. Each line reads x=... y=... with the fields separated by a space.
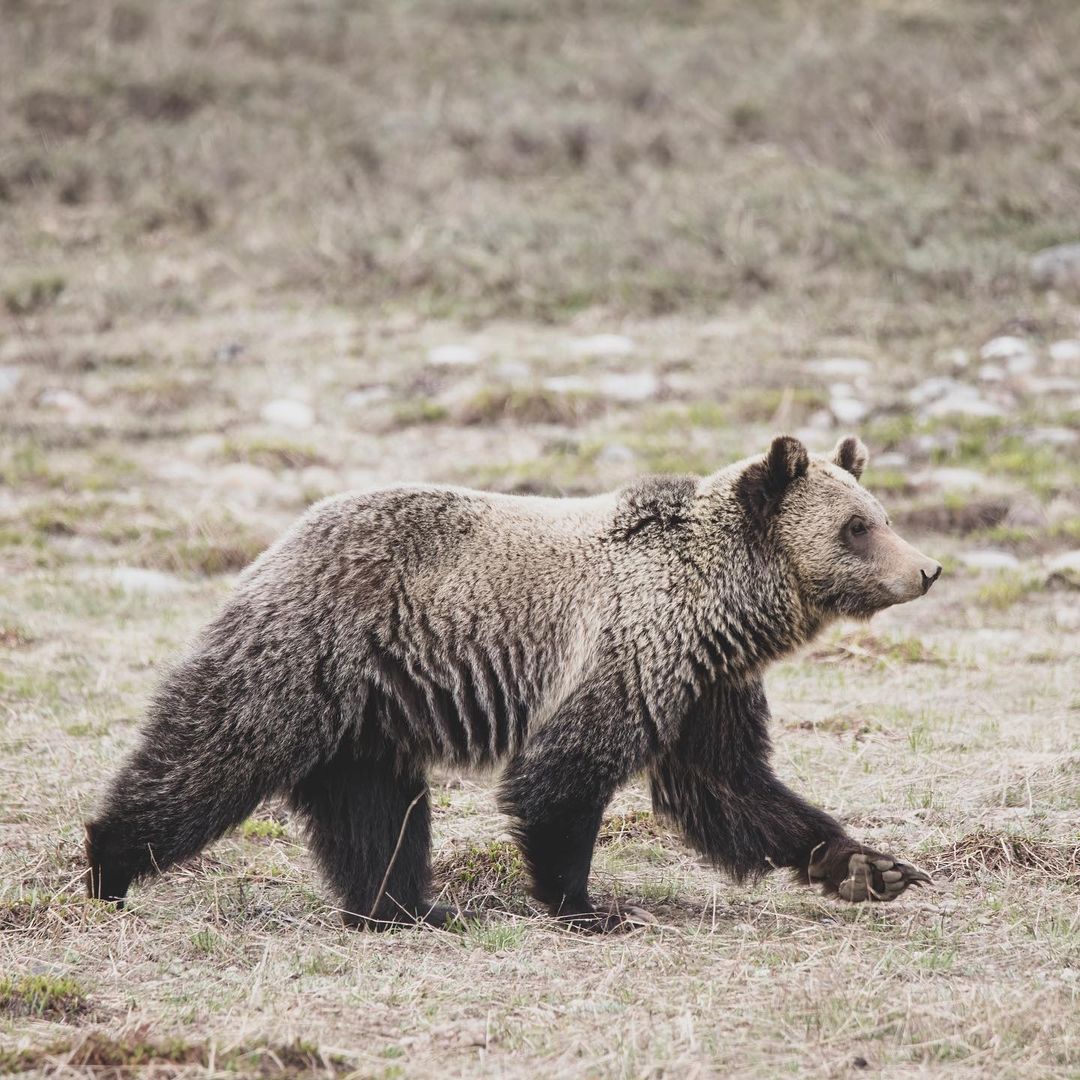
x=835 y=537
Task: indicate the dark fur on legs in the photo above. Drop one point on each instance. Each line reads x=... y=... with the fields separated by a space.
x=200 y=768
x=557 y=790
x=718 y=789
x=369 y=827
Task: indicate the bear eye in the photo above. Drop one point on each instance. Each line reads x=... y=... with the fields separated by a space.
x=857 y=527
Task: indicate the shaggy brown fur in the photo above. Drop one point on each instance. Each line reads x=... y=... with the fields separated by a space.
x=578 y=640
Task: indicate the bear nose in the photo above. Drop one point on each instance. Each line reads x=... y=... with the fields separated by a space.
x=929 y=579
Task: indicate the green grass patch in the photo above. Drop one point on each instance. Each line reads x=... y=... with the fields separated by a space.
x=43 y=996
x=1006 y=590
x=262 y=829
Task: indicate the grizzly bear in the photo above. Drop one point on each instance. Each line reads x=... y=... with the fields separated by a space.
x=578 y=640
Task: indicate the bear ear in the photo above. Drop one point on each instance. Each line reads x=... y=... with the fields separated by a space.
x=786 y=460
x=851 y=455
x=762 y=484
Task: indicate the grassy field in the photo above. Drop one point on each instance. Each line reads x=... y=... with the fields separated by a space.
x=255 y=254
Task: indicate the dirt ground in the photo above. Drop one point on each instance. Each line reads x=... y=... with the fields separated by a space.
x=255 y=255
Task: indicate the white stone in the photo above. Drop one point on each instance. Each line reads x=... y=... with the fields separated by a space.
x=453 y=356
x=567 y=384
x=136 y=579
x=991 y=373
x=990 y=559
x=10 y=377
x=848 y=410
x=630 y=385
x=513 y=371
x=954 y=479
x=287 y=412
x=1067 y=561
x=64 y=400
x=1056 y=267
x=616 y=454
x=1021 y=364
x=1054 y=436
x=320 y=480
x=244 y=477
x=891 y=459
x=1067 y=616
x=1053 y=384
x=964 y=404
x=954 y=358
x=842 y=367
x=186 y=471
x=1002 y=348
x=1065 y=352
x=205 y=446
x=366 y=395
x=934 y=388
x=600 y=345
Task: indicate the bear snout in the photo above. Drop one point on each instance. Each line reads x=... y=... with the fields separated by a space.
x=929 y=579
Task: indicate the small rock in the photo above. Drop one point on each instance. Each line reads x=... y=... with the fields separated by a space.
x=1021 y=364
x=956 y=479
x=991 y=373
x=958 y=359
x=1063 y=571
x=601 y=345
x=616 y=454
x=990 y=559
x=286 y=412
x=567 y=384
x=453 y=356
x=932 y=389
x=1053 y=384
x=1065 y=352
x=1056 y=267
x=891 y=459
x=963 y=403
x=10 y=377
x=246 y=479
x=842 y=367
x=204 y=447
x=1067 y=616
x=366 y=395
x=1053 y=436
x=63 y=400
x=514 y=371
x=136 y=579
x=1025 y=513
x=319 y=480
x=175 y=470
x=848 y=410
x=223 y=354
x=1003 y=348
x=630 y=386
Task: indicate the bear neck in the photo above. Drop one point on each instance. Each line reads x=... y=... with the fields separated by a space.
x=751 y=611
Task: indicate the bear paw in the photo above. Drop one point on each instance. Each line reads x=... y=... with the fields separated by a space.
x=866 y=875
x=616 y=919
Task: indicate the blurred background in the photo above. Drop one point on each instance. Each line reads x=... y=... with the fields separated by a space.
x=254 y=254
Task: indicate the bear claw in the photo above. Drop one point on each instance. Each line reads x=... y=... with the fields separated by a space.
x=878 y=878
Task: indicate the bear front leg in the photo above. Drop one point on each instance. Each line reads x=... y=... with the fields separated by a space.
x=717 y=787
x=556 y=789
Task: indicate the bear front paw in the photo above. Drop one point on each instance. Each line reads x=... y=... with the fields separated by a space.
x=861 y=875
